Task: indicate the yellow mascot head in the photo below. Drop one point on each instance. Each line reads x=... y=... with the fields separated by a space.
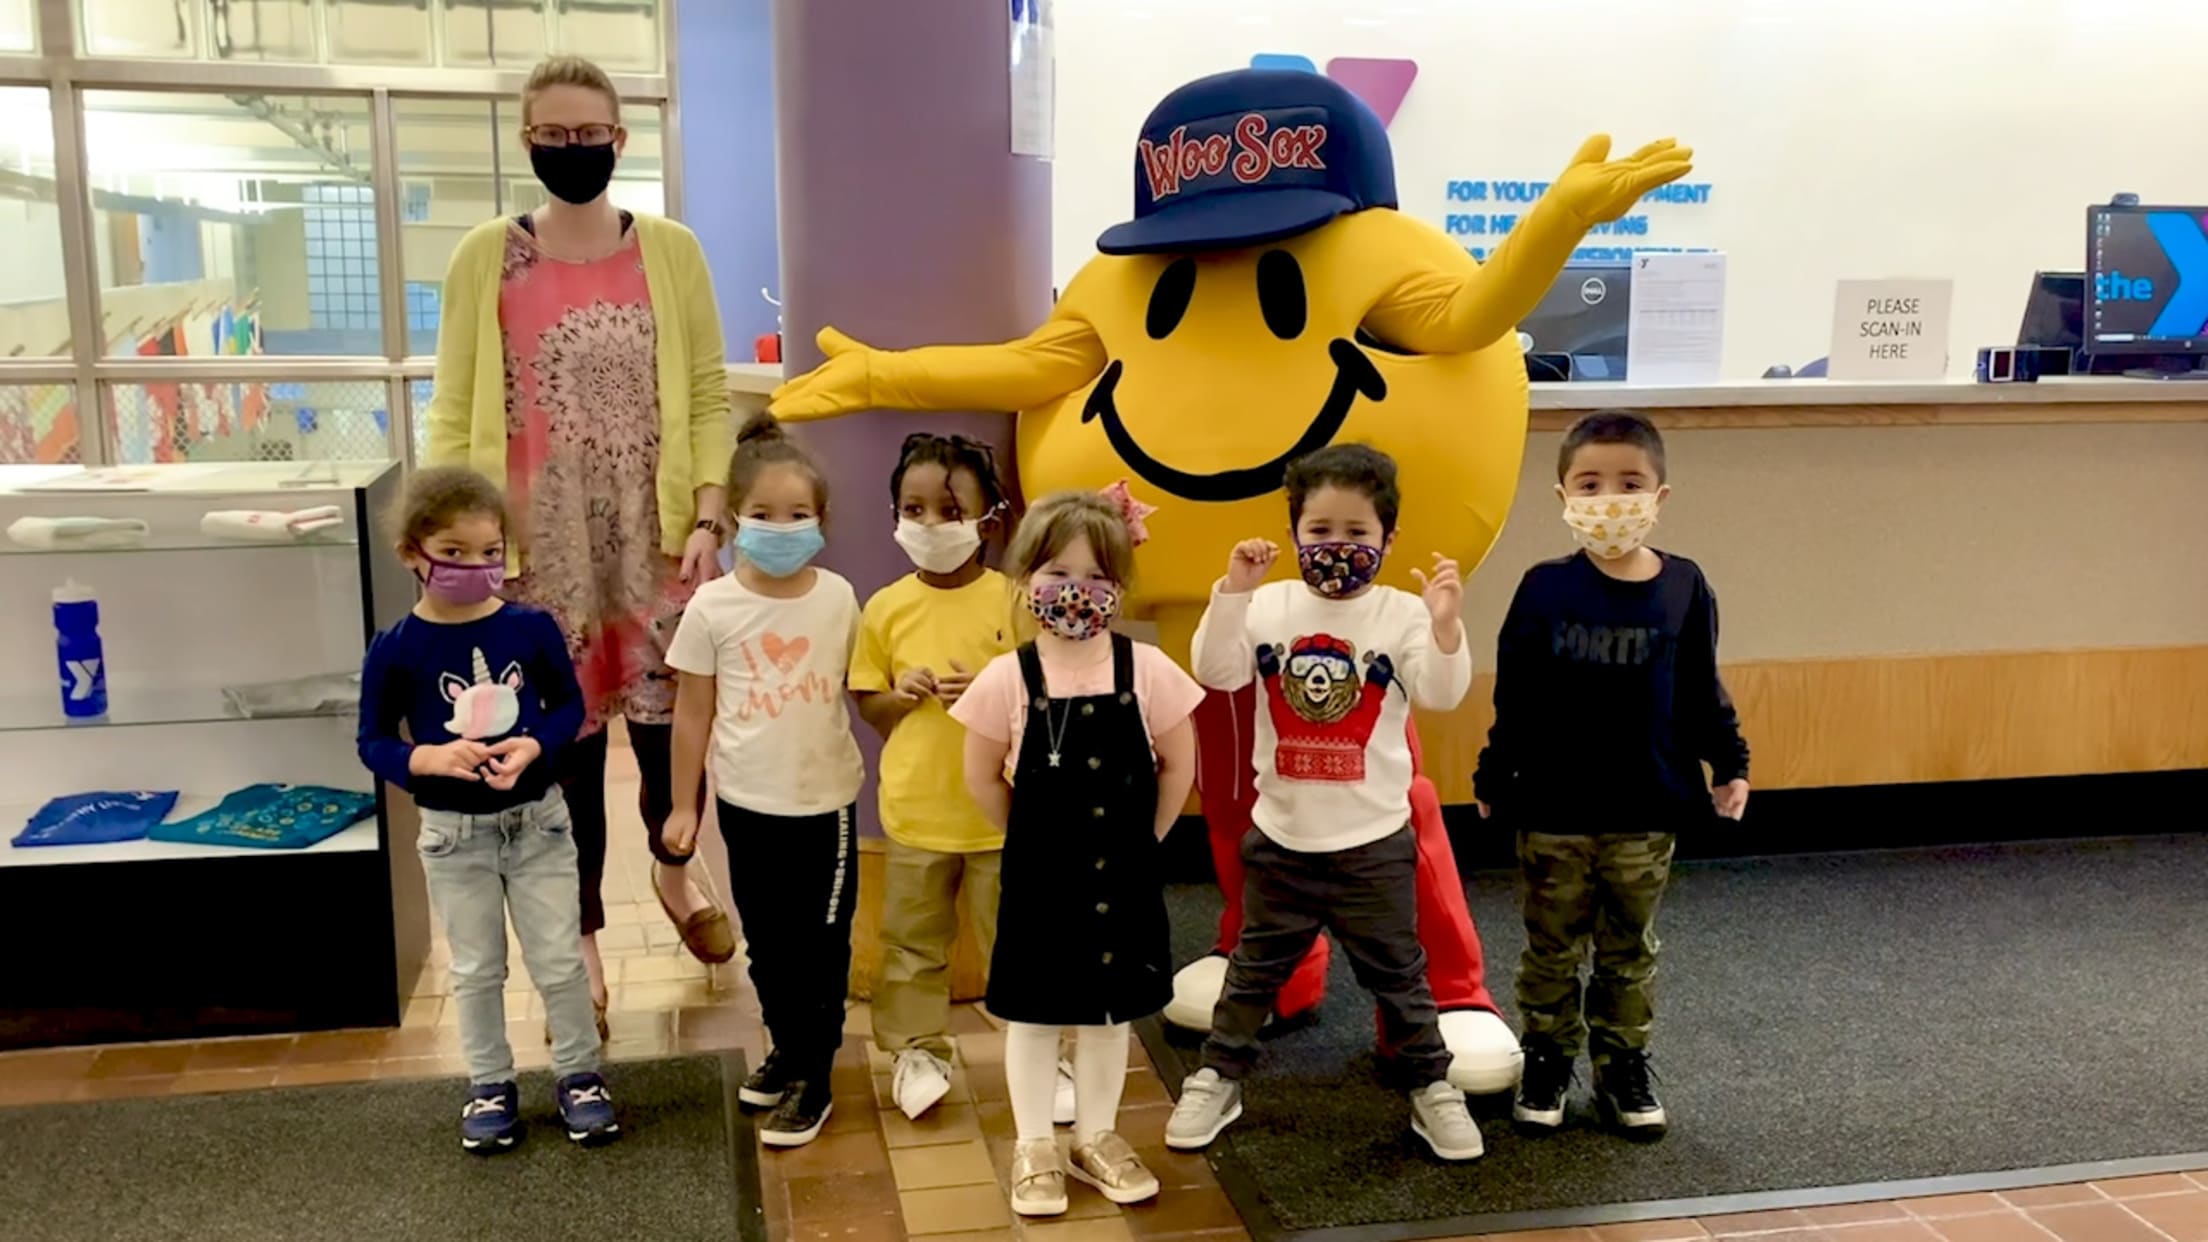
x=1266 y=300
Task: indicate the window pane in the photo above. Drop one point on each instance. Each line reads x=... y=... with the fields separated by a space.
x=378 y=32
x=140 y=27
x=509 y=33
x=34 y=306
x=38 y=423
x=618 y=34
x=233 y=224
x=463 y=162
x=18 y=33
x=346 y=420
x=264 y=30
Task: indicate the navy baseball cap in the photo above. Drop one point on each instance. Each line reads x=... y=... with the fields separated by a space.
x=1252 y=156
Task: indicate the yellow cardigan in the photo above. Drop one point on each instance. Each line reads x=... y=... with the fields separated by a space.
x=467 y=414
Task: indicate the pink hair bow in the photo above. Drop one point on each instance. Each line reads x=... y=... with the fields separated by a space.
x=1131 y=509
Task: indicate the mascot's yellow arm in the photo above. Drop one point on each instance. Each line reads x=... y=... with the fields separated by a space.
x=1053 y=360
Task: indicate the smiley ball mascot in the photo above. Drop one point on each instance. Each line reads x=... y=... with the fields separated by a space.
x=1266 y=300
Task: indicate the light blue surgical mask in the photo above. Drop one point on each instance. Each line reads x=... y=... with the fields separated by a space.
x=779 y=549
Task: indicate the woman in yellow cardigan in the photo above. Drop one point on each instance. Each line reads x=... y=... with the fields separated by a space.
x=580 y=362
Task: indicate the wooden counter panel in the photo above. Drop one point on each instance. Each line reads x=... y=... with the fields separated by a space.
x=1898 y=720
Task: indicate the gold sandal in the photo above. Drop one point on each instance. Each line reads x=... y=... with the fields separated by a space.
x=1038 y=1179
x=1110 y=1164
x=707 y=932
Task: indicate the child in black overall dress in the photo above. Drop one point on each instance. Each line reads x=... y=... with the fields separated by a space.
x=1105 y=755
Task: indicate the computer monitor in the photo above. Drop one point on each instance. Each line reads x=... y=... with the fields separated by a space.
x=2054 y=311
x=1584 y=315
x=2146 y=282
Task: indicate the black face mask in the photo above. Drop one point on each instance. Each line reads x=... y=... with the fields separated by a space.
x=574 y=174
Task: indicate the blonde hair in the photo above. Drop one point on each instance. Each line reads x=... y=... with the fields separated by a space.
x=1055 y=521
x=568 y=71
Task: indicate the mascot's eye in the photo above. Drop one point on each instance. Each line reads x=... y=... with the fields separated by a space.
x=1169 y=301
x=1279 y=294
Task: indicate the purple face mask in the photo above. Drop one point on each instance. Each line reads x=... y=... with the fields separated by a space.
x=453 y=582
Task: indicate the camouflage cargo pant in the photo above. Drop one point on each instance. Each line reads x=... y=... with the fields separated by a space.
x=1601 y=890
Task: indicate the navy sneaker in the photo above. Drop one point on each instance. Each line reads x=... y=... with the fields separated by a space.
x=586 y=1108
x=491 y=1119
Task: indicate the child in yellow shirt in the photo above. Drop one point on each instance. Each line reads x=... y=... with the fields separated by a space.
x=921 y=640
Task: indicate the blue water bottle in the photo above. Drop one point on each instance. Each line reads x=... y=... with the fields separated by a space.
x=83 y=663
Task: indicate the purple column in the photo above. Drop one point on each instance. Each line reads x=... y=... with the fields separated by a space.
x=905 y=220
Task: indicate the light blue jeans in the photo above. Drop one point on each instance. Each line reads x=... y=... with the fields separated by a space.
x=479 y=868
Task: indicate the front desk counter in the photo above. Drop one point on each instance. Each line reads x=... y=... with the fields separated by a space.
x=1938 y=601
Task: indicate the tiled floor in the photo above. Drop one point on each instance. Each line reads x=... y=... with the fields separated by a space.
x=873 y=1176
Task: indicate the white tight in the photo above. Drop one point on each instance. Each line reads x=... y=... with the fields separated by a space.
x=1031 y=1075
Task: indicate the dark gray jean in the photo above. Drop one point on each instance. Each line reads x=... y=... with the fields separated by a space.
x=1367 y=897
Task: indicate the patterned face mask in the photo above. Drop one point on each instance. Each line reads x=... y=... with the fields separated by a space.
x=1339 y=568
x=1610 y=526
x=1075 y=610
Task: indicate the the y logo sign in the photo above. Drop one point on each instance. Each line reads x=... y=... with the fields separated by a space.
x=84 y=677
x=1381 y=83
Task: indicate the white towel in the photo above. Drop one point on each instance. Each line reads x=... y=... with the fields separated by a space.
x=268 y=525
x=67 y=533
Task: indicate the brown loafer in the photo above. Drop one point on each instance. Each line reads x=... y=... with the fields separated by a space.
x=707 y=933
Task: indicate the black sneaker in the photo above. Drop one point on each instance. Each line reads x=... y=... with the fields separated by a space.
x=765 y=1086
x=1542 y=1086
x=798 y=1118
x=1626 y=1089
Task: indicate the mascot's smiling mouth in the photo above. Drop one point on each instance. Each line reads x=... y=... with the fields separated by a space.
x=1354 y=376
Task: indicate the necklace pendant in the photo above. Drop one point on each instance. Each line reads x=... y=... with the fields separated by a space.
x=1054 y=758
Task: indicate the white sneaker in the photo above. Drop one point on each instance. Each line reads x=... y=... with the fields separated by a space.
x=920 y=1081
x=1208 y=1104
x=1061 y=1104
x=1439 y=1116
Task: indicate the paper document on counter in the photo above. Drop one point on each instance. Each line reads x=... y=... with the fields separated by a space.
x=1675 y=331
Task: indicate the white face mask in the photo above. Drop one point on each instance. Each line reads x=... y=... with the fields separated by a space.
x=939 y=549
x=1611 y=526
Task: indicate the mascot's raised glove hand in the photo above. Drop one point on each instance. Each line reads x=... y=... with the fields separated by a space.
x=843 y=384
x=1599 y=189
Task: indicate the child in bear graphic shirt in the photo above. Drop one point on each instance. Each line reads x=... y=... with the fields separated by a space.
x=1341 y=661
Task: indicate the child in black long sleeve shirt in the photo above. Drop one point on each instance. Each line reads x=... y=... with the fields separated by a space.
x=466 y=703
x=1607 y=704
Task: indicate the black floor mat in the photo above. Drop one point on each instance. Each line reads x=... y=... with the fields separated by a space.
x=381 y=1162
x=1823 y=1021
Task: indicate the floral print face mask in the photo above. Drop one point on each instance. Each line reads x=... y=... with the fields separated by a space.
x=1074 y=610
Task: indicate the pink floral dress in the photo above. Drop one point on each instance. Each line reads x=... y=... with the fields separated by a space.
x=582 y=435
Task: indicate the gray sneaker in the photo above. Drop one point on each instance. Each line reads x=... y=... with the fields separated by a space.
x=1208 y=1105
x=1439 y=1116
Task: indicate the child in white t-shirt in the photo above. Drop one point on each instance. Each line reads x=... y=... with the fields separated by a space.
x=763 y=654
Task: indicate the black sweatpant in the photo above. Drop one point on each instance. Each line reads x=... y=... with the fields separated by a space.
x=796 y=882
x=582 y=778
x=1368 y=897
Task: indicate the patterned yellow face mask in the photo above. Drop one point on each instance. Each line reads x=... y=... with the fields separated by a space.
x=1610 y=526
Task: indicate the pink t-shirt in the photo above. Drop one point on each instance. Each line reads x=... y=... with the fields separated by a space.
x=995 y=705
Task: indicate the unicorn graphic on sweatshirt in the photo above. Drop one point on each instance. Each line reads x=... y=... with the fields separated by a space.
x=482 y=709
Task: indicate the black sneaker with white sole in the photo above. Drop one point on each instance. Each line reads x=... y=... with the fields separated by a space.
x=797 y=1120
x=1625 y=1087
x=764 y=1087
x=1542 y=1088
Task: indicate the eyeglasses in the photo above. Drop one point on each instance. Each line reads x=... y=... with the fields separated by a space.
x=562 y=135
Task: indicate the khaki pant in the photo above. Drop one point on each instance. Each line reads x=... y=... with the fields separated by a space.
x=920 y=892
x=1591 y=897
